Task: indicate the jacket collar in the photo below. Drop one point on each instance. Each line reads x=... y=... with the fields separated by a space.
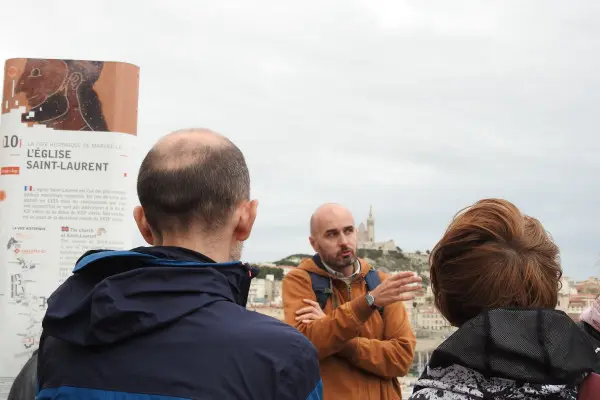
x=175 y=253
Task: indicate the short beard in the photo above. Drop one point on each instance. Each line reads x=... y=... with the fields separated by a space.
x=335 y=264
x=235 y=253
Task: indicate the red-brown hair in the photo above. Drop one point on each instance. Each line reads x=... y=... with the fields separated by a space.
x=493 y=256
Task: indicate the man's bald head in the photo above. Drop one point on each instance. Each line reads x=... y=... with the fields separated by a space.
x=333 y=236
x=183 y=146
x=192 y=177
x=325 y=213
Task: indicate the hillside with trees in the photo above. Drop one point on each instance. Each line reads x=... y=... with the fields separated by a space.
x=276 y=272
x=292 y=260
x=384 y=261
x=393 y=261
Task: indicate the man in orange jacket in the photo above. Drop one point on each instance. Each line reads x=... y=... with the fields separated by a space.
x=353 y=315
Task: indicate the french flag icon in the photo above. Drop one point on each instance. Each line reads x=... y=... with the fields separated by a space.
x=28 y=188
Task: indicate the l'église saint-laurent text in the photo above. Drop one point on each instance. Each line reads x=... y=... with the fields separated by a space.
x=60 y=160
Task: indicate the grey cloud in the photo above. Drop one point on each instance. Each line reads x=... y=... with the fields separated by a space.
x=419 y=108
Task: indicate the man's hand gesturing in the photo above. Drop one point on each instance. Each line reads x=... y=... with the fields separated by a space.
x=398 y=287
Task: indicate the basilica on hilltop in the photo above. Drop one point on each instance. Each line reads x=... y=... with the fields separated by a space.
x=366 y=237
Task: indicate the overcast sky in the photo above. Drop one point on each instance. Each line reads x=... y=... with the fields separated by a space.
x=416 y=107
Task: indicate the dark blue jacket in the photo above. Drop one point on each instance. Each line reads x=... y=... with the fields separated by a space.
x=162 y=323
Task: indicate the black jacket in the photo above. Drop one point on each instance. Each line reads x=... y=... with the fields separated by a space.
x=509 y=354
x=23 y=388
x=161 y=323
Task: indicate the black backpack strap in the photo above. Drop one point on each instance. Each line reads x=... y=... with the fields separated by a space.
x=321 y=285
x=372 y=279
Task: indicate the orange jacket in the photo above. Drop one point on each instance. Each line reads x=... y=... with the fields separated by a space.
x=361 y=354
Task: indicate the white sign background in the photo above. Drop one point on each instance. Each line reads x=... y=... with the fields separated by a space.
x=61 y=193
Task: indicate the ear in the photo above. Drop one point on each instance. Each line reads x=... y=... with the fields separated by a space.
x=245 y=221
x=314 y=244
x=142 y=224
x=75 y=80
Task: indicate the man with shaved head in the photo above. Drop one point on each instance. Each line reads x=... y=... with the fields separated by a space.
x=169 y=321
x=352 y=314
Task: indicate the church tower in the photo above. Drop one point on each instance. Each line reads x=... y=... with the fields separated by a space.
x=371 y=226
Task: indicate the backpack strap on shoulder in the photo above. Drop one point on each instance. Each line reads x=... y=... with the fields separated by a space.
x=321 y=285
x=372 y=279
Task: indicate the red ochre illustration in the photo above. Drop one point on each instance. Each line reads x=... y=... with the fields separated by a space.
x=73 y=95
x=10 y=170
x=2 y=195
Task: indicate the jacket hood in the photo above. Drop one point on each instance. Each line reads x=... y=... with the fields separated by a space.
x=511 y=352
x=116 y=295
x=314 y=264
x=537 y=345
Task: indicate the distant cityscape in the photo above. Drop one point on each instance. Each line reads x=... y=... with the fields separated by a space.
x=430 y=327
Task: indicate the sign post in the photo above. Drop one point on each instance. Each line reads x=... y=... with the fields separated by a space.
x=67 y=133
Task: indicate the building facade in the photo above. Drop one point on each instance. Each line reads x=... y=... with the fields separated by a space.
x=366 y=236
x=265 y=291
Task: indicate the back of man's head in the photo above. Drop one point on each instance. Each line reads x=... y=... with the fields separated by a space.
x=192 y=180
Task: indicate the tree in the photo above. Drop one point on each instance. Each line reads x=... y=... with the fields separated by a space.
x=293 y=259
x=276 y=272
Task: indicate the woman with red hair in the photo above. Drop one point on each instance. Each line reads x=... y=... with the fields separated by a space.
x=495 y=275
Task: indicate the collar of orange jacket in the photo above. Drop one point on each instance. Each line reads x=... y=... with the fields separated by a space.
x=310 y=265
